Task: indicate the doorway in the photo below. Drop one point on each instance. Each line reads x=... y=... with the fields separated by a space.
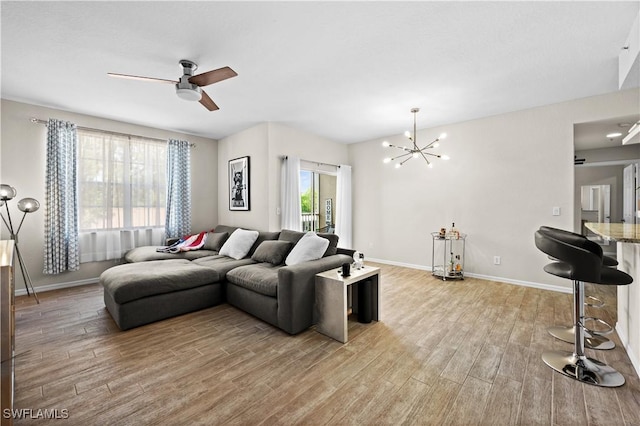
x=318 y=200
x=601 y=178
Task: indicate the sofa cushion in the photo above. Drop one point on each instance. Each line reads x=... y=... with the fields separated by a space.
x=239 y=243
x=147 y=253
x=224 y=228
x=133 y=281
x=273 y=252
x=333 y=244
x=215 y=240
x=222 y=264
x=291 y=236
x=261 y=278
x=309 y=247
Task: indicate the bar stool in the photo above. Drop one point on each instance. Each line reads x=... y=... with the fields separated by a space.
x=579 y=264
x=593 y=339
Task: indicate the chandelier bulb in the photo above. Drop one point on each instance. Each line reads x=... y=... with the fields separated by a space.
x=398 y=165
x=445 y=157
x=385 y=144
x=386 y=160
x=435 y=145
x=407 y=134
x=430 y=165
x=443 y=136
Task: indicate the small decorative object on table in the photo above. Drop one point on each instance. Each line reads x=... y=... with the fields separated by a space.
x=358 y=260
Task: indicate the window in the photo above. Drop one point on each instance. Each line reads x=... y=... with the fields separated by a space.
x=317 y=199
x=121 y=182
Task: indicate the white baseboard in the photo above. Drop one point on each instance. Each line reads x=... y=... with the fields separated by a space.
x=57 y=286
x=483 y=277
x=635 y=361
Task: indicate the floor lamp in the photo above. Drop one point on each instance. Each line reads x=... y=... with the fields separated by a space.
x=26 y=205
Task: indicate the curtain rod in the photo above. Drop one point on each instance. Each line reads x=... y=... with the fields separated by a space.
x=109 y=132
x=319 y=163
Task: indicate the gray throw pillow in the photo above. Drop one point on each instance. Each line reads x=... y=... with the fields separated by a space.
x=272 y=251
x=215 y=240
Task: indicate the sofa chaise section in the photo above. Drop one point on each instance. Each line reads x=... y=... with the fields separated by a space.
x=140 y=293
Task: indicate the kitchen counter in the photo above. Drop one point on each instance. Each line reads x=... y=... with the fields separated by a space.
x=620 y=232
x=627 y=237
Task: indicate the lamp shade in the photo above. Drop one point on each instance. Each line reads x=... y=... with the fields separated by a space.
x=7 y=192
x=28 y=205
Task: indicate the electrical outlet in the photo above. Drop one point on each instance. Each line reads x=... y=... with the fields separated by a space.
x=496 y=260
x=556 y=211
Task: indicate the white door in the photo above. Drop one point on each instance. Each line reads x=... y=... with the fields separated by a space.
x=629 y=193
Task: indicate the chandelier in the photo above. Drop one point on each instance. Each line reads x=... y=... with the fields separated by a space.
x=415 y=151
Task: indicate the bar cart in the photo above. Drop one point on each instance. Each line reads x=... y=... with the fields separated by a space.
x=452 y=246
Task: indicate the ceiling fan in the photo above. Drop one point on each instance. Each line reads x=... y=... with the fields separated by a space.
x=188 y=87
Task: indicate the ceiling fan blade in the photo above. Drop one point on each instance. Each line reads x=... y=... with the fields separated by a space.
x=207 y=102
x=210 y=77
x=136 y=77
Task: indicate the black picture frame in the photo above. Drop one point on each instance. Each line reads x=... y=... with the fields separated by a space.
x=239 y=184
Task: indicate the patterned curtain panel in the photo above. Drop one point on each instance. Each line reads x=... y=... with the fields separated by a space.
x=178 y=219
x=61 y=209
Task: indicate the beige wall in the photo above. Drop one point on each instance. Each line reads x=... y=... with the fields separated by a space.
x=251 y=142
x=23 y=151
x=505 y=175
x=266 y=144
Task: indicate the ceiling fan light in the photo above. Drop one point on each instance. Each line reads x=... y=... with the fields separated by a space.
x=189 y=94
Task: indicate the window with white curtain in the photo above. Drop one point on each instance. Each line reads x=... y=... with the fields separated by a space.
x=121 y=193
x=317 y=196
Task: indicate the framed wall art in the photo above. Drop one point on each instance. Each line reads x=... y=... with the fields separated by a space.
x=239 y=184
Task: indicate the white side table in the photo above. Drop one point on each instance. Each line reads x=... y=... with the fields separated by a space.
x=332 y=303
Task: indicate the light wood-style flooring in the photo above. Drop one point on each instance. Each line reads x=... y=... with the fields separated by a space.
x=455 y=352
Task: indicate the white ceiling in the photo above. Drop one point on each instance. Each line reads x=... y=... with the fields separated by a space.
x=593 y=135
x=348 y=71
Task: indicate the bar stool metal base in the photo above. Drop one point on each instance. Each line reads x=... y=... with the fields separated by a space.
x=606 y=328
x=583 y=369
x=591 y=341
x=594 y=302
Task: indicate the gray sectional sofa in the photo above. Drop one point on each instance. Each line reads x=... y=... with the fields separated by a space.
x=153 y=286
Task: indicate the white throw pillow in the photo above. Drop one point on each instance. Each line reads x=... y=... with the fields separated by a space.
x=309 y=247
x=239 y=243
